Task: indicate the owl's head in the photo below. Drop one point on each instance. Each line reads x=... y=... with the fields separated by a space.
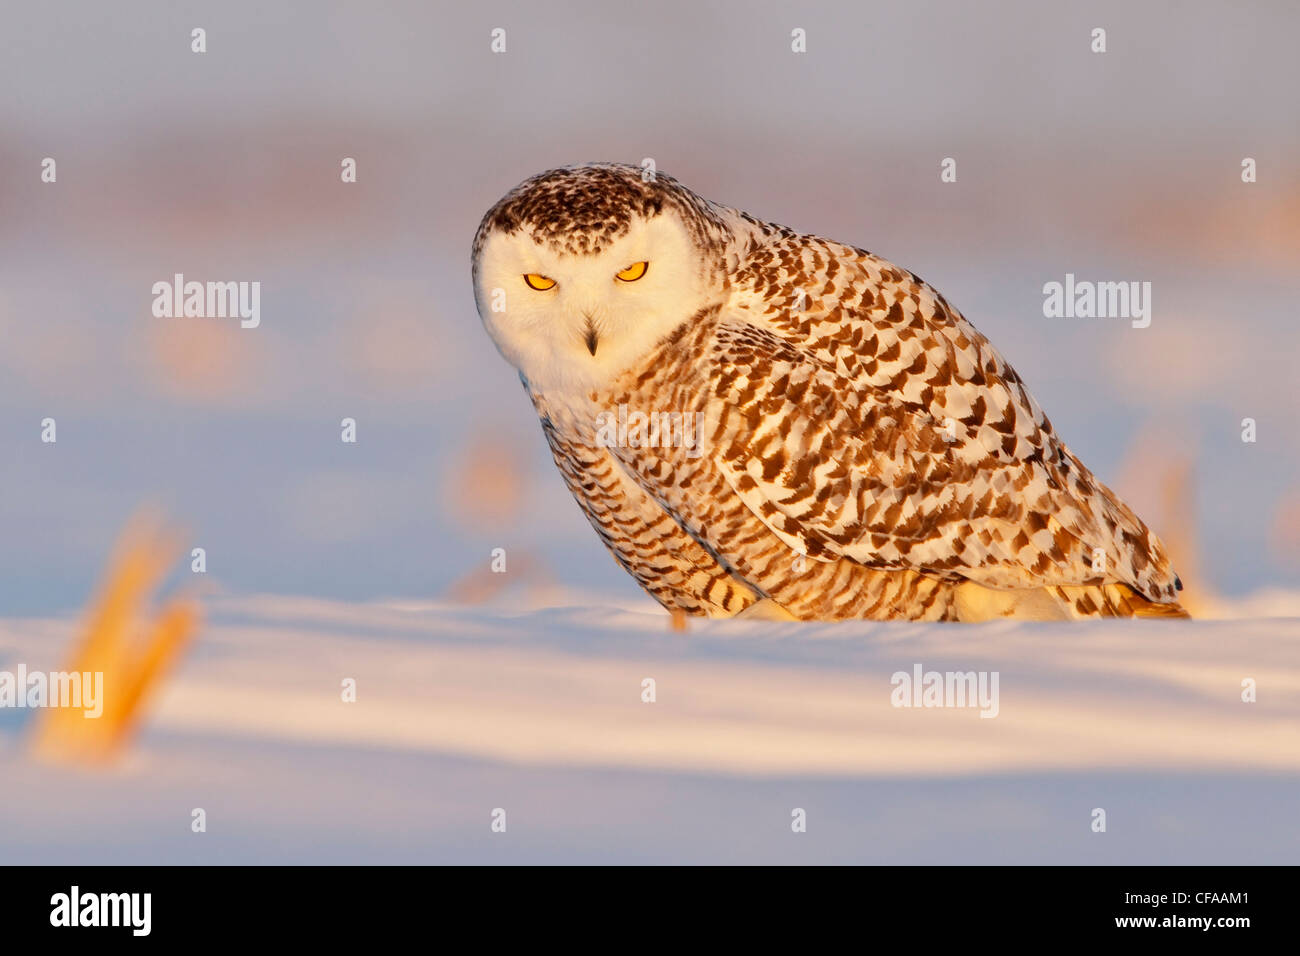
x=580 y=272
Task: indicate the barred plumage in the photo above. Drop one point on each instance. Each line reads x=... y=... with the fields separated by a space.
x=863 y=451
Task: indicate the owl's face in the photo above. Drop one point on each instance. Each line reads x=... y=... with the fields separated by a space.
x=572 y=303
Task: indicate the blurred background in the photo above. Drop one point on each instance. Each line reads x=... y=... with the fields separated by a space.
x=226 y=166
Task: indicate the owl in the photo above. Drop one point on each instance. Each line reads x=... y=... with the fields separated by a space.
x=759 y=422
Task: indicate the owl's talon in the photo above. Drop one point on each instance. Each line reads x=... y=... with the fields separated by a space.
x=766 y=610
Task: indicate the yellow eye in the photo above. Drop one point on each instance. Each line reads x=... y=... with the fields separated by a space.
x=539 y=282
x=633 y=272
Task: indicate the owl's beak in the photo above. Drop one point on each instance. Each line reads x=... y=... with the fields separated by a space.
x=591 y=338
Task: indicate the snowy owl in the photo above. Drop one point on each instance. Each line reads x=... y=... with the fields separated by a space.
x=763 y=423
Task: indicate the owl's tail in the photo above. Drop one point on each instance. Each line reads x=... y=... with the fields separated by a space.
x=974 y=602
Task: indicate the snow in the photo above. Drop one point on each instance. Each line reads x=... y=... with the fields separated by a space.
x=463 y=710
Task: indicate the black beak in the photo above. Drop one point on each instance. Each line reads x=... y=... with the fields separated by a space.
x=591 y=338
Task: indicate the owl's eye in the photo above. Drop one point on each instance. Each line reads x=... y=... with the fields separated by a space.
x=633 y=272
x=539 y=282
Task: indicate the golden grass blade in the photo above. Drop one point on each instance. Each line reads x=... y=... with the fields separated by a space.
x=131 y=652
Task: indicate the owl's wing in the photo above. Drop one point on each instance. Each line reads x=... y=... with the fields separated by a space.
x=925 y=453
